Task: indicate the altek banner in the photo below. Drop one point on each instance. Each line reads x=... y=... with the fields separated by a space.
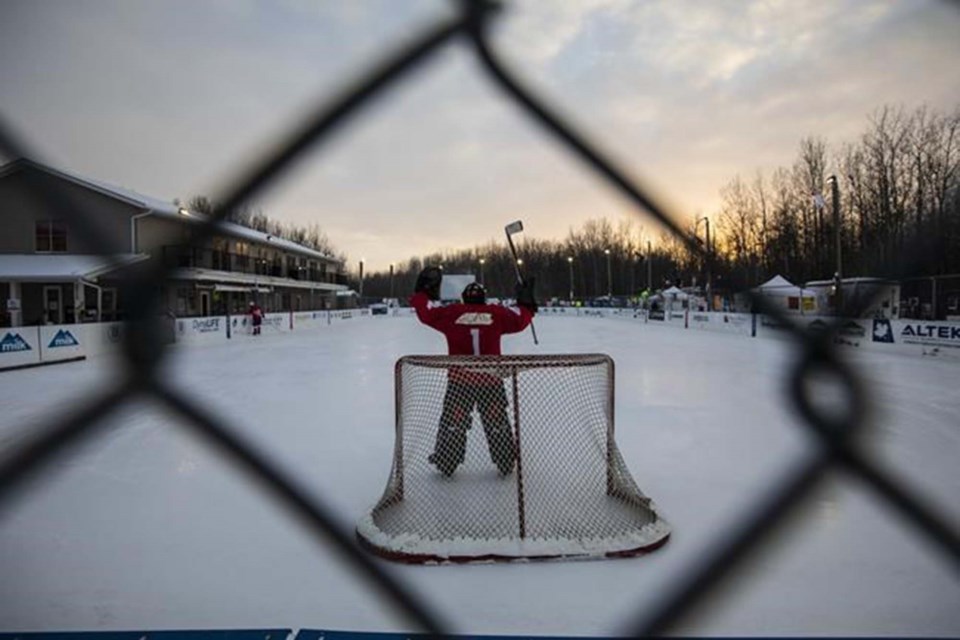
x=939 y=335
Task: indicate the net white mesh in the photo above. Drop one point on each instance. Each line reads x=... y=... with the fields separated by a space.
x=503 y=457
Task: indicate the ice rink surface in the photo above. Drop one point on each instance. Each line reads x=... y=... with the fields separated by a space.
x=143 y=527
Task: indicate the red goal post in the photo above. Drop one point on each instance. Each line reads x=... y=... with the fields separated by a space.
x=564 y=490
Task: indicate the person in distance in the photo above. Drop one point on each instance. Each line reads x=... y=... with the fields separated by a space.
x=256 y=317
x=472 y=327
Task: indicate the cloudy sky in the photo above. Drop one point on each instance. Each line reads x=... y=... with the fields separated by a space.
x=175 y=98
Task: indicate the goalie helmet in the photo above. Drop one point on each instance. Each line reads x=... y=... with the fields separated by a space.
x=474 y=293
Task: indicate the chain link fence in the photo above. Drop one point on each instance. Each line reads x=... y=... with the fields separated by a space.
x=816 y=355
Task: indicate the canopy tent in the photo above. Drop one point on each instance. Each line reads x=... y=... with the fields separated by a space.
x=674 y=293
x=780 y=286
x=794 y=298
x=672 y=298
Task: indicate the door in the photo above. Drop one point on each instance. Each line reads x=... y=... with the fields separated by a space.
x=53 y=305
x=204 y=303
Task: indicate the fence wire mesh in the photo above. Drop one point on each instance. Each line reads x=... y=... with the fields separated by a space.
x=816 y=354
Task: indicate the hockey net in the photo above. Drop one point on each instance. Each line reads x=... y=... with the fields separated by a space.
x=508 y=457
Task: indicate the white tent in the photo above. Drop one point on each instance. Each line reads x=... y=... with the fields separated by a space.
x=778 y=286
x=789 y=295
x=673 y=299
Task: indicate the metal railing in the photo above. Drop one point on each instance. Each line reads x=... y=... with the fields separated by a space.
x=191 y=257
x=816 y=354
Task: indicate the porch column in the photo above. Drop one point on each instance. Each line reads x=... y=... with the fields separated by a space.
x=79 y=301
x=16 y=314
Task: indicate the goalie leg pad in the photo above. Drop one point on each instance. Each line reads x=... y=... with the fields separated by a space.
x=503 y=448
x=496 y=427
x=450 y=447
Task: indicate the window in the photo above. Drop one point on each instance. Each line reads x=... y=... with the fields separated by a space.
x=51 y=236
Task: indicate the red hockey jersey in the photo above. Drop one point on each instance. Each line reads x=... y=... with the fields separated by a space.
x=471 y=329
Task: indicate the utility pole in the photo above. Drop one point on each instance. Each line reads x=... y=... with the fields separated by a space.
x=360 y=288
x=707 y=258
x=709 y=267
x=609 y=275
x=570 y=262
x=649 y=267
x=838 y=274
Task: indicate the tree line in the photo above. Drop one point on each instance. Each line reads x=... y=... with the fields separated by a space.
x=897 y=198
x=892 y=197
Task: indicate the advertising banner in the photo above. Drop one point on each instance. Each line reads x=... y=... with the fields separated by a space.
x=929 y=338
x=19 y=346
x=61 y=342
x=202 y=329
x=739 y=323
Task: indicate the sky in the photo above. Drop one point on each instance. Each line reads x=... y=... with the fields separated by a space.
x=178 y=98
x=145 y=527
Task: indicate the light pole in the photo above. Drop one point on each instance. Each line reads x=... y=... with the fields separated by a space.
x=482 y=261
x=570 y=263
x=838 y=275
x=360 y=288
x=391 y=281
x=519 y=269
x=707 y=259
x=609 y=275
x=649 y=267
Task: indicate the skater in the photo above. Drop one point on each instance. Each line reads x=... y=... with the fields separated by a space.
x=256 y=317
x=472 y=327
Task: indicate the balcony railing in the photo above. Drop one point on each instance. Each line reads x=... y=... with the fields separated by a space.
x=193 y=258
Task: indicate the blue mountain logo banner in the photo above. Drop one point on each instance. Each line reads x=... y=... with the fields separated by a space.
x=12 y=342
x=63 y=339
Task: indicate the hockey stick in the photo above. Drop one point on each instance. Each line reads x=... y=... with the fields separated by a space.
x=510 y=229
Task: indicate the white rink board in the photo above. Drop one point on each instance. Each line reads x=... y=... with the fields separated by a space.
x=102 y=337
x=31 y=345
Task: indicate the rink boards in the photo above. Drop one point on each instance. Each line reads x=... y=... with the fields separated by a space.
x=31 y=346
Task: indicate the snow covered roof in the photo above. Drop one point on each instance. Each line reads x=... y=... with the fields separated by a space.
x=675 y=292
x=164 y=208
x=61 y=267
x=120 y=193
x=780 y=286
x=776 y=282
x=852 y=281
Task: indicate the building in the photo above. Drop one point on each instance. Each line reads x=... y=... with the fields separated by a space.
x=51 y=273
x=870 y=297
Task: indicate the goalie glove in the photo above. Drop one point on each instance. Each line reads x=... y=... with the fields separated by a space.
x=525 y=295
x=428 y=282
